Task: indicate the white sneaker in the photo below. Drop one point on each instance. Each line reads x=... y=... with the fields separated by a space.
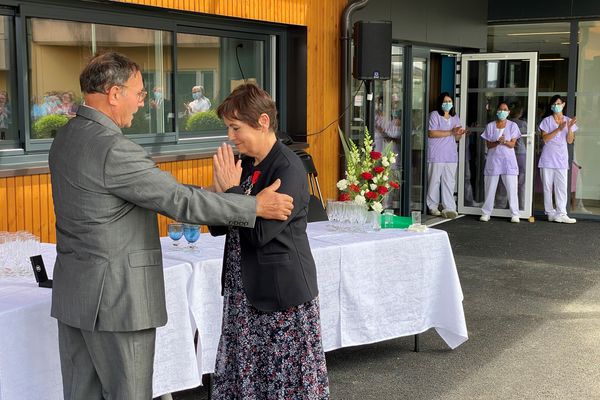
x=551 y=218
x=450 y=214
x=515 y=219
x=435 y=212
x=484 y=218
x=564 y=219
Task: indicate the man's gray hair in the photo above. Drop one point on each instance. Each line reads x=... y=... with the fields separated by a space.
x=105 y=71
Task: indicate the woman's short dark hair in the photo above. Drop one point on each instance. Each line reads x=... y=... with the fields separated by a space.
x=552 y=101
x=503 y=102
x=440 y=100
x=105 y=71
x=246 y=103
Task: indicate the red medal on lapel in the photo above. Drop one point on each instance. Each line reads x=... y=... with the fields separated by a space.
x=253 y=180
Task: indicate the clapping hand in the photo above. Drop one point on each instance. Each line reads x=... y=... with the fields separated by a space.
x=571 y=122
x=562 y=125
x=226 y=171
x=458 y=131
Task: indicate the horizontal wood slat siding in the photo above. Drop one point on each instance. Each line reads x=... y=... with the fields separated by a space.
x=26 y=201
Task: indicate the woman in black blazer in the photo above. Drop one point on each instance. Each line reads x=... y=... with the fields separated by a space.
x=270 y=345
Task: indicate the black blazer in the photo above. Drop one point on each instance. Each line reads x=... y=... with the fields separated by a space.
x=278 y=270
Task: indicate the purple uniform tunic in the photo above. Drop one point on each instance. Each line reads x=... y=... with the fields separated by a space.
x=501 y=160
x=554 y=152
x=444 y=149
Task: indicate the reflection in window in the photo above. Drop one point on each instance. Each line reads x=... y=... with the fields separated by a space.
x=8 y=119
x=60 y=49
x=208 y=69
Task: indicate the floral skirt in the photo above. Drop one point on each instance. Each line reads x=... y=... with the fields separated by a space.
x=267 y=355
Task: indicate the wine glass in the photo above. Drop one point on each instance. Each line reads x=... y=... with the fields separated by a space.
x=175 y=232
x=192 y=234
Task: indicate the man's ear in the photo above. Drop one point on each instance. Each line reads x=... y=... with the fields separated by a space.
x=114 y=94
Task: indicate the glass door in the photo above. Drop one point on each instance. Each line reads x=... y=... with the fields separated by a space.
x=487 y=79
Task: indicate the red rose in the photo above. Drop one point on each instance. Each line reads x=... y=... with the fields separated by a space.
x=382 y=190
x=354 y=187
x=378 y=170
x=344 y=197
x=371 y=195
x=394 y=185
x=375 y=155
x=367 y=175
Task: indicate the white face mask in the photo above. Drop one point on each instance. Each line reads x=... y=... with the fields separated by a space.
x=557 y=108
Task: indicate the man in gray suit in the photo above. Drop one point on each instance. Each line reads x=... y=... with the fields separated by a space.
x=108 y=293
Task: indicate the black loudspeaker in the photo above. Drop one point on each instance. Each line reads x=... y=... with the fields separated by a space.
x=372 y=50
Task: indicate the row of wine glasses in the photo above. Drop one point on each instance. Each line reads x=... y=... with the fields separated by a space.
x=189 y=231
x=347 y=216
x=15 y=250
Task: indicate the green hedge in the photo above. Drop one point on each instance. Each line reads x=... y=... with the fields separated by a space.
x=46 y=126
x=204 y=121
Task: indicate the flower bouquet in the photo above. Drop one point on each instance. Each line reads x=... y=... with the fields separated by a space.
x=369 y=175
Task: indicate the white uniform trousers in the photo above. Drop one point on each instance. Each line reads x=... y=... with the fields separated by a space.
x=511 y=183
x=557 y=178
x=442 y=178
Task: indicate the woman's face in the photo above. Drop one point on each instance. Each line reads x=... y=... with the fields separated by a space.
x=447 y=99
x=503 y=107
x=247 y=139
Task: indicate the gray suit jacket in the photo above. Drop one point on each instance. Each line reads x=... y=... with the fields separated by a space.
x=107 y=190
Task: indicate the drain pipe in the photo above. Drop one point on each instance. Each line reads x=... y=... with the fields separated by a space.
x=347 y=63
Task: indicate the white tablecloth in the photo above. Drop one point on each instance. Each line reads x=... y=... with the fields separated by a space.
x=372 y=287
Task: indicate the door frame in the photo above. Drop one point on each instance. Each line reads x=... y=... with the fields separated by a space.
x=526 y=210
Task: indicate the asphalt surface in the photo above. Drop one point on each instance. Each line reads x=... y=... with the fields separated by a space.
x=532 y=305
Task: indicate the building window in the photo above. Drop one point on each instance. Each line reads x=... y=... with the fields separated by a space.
x=58 y=51
x=9 y=138
x=188 y=68
x=208 y=69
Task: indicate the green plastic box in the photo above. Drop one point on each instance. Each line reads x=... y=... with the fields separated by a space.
x=396 y=221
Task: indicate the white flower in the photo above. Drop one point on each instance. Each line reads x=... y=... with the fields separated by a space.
x=373 y=186
x=385 y=162
x=360 y=199
x=342 y=184
x=392 y=159
x=376 y=206
x=385 y=178
x=362 y=192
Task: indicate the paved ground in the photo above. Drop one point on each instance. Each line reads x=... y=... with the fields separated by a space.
x=532 y=303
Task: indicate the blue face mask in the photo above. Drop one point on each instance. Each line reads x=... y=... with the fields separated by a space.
x=158 y=96
x=197 y=95
x=502 y=115
x=447 y=106
x=557 y=108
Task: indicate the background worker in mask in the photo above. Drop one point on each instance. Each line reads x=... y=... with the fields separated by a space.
x=161 y=113
x=501 y=137
x=444 y=131
x=200 y=103
x=557 y=131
